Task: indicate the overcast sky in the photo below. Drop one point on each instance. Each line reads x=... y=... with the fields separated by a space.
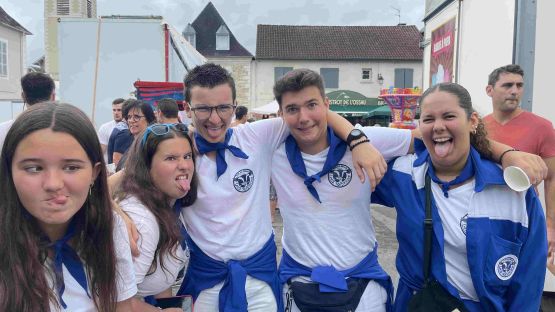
x=241 y=16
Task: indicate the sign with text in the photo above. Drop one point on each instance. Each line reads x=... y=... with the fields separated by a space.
x=346 y=97
x=442 y=53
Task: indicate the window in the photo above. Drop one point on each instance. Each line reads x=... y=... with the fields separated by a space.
x=331 y=77
x=62 y=7
x=403 y=78
x=89 y=8
x=280 y=71
x=367 y=74
x=222 y=38
x=3 y=59
x=192 y=39
x=190 y=35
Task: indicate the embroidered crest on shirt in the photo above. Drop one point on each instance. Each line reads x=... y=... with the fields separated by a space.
x=243 y=180
x=340 y=175
x=505 y=267
x=462 y=223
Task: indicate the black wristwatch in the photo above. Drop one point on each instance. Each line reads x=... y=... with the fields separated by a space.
x=354 y=135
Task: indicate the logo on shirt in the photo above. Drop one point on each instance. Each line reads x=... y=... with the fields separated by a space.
x=243 y=180
x=505 y=267
x=340 y=175
x=462 y=223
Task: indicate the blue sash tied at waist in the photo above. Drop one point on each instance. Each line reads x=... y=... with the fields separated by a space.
x=205 y=272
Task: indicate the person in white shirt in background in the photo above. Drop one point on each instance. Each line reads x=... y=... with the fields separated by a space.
x=106 y=129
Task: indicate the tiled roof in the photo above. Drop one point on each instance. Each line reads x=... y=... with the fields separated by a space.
x=285 y=42
x=206 y=24
x=8 y=21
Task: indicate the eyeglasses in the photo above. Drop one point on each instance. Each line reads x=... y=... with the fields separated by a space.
x=205 y=111
x=134 y=117
x=162 y=129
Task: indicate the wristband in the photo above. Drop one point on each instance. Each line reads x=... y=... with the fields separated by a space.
x=358 y=143
x=505 y=152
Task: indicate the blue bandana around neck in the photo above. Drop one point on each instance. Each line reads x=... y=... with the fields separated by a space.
x=466 y=173
x=66 y=255
x=335 y=153
x=220 y=147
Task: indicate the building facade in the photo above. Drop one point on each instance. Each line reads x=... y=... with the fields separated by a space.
x=13 y=49
x=213 y=38
x=53 y=11
x=355 y=61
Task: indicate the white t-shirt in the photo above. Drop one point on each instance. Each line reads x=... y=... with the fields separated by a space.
x=339 y=231
x=74 y=295
x=105 y=130
x=453 y=212
x=4 y=128
x=231 y=216
x=104 y=135
x=149 y=230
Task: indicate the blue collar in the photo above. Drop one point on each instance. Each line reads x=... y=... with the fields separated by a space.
x=336 y=152
x=64 y=254
x=485 y=171
x=220 y=147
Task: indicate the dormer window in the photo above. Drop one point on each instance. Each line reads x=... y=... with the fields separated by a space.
x=191 y=35
x=222 y=38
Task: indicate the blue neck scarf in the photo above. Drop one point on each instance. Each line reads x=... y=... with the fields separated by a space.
x=335 y=153
x=220 y=147
x=465 y=174
x=64 y=254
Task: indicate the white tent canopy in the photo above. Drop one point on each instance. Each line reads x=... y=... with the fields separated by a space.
x=270 y=108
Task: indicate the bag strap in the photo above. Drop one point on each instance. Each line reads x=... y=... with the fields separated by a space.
x=428 y=230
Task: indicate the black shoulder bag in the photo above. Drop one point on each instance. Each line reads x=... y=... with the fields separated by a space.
x=432 y=297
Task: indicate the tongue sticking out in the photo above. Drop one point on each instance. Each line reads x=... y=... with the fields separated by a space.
x=185 y=184
x=441 y=149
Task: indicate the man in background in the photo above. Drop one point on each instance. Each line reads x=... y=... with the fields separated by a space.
x=167 y=111
x=36 y=88
x=240 y=116
x=106 y=129
x=525 y=131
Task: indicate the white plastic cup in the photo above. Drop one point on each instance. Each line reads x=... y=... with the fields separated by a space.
x=516 y=179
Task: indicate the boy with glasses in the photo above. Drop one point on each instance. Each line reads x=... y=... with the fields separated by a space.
x=233 y=254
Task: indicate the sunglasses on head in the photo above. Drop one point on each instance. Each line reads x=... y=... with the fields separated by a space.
x=162 y=129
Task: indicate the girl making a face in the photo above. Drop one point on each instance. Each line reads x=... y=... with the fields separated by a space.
x=157 y=182
x=489 y=243
x=61 y=247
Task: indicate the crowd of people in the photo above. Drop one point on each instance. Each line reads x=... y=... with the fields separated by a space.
x=198 y=197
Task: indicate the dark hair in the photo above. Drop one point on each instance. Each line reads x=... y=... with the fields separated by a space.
x=296 y=80
x=23 y=283
x=168 y=107
x=241 y=111
x=144 y=107
x=118 y=101
x=37 y=87
x=208 y=75
x=507 y=69
x=479 y=139
x=137 y=181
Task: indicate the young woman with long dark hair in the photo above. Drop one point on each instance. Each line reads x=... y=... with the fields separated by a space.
x=61 y=246
x=158 y=181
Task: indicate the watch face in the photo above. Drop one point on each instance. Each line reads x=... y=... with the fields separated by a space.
x=356 y=132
